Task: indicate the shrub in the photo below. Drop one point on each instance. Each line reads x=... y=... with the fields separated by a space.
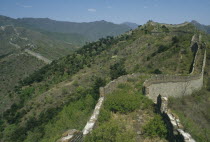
x=165 y=29
x=117 y=70
x=155 y=128
x=99 y=82
x=111 y=132
x=122 y=102
x=175 y=40
x=104 y=116
x=157 y=71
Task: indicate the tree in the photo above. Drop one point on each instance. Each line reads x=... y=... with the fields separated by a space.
x=117 y=70
x=175 y=40
x=99 y=82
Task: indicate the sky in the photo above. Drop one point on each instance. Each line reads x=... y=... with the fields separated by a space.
x=117 y=11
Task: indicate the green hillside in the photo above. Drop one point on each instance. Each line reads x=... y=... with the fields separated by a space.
x=62 y=95
x=16 y=63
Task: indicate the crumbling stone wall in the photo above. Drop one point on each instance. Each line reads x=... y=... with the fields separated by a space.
x=175 y=129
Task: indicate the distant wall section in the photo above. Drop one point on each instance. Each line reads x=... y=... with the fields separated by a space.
x=176 y=85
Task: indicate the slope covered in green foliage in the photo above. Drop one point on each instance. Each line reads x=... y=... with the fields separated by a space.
x=44 y=99
x=16 y=63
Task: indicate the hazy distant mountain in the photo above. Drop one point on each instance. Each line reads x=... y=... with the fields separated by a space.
x=91 y=31
x=202 y=27
x=131 y=25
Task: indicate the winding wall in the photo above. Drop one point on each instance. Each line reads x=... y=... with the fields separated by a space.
x=160 y=87
x=175 y=85
x=164 y=85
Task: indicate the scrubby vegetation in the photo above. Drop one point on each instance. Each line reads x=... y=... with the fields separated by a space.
x=50 y=101
x=125 y=101
x=112 y=131
x=155 y=128
x=118 y=116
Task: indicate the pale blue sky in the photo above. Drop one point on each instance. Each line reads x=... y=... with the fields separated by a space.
x=117 y=11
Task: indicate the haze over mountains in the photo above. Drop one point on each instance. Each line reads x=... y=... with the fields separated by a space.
x=88 y=31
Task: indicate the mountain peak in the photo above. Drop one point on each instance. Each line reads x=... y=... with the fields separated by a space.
x=131 y=25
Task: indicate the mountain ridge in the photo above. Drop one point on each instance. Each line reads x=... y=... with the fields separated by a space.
x=91 y=30
x=200 y=26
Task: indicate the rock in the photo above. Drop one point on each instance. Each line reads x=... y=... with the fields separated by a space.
x=139 y=132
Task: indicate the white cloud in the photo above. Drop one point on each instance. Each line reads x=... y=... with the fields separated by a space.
x=109 y=7
x=24 y=6
x=145 y=7
x=92 y=10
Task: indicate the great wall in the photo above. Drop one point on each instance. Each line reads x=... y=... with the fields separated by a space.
x=158 y=88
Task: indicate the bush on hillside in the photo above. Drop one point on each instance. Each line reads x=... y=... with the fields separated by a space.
x=157 y=71
x=99 y=82
x=175 y=40
x=122 y=102
x=104 y=115
x=155 y=128
x=117 y=70
x=111 y=132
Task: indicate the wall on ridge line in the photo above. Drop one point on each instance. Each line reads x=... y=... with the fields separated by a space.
x=175 y=89
x=77 y=136
x=174 y=85
x=111 y=86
